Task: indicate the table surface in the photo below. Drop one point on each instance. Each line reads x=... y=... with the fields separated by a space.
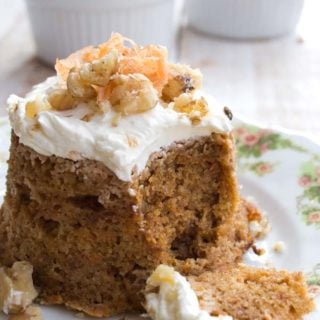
x=276 y=82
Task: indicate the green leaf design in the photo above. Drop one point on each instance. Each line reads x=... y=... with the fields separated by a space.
x=312 y=193
x=308 y=203
x=313 y=277
x=252 y=141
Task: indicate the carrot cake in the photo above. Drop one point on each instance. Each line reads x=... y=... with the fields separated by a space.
x=119 y=164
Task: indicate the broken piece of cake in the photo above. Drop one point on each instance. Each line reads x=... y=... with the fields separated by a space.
x=119 y=164
x=238 y=293
x=247 y=292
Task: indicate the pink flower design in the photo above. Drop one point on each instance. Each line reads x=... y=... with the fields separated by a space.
x=240 y=131
x=314 y=217
x=263 y=168
x=304 y=181
x=262 y=133
x=250 y=139
x=264 y=148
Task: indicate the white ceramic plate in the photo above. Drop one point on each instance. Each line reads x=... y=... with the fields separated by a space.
x=281 y=170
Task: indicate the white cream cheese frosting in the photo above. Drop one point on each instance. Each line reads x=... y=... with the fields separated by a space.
x=170 y=296
x=121 y=148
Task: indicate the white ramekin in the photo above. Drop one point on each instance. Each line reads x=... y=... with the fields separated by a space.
x=63 y=26
x=246 y=19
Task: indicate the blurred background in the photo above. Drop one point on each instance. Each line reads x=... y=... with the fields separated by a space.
x=259 y=57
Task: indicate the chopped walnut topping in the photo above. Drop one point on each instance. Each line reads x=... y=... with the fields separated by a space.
x=196 y=109
x=31 y=313
x=98 y=72
x=127 y=79
x=16 y=287
x=79 y=88
x=61 y=99
x=37 y=105
x=182 y=79
x=132 y=94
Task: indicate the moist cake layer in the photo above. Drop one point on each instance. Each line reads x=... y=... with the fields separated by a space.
x=93 y=239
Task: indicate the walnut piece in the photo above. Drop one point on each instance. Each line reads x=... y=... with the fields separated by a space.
x=61 y=99
x=182 y=79
x=132 y=94
x=79 y=88
x=37 y=105
x=98 y=72
x=31 y=313
x=16 y=287
x=195 y=109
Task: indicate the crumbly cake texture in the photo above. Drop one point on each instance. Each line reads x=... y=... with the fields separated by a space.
x=93 y=239
x=249 y=293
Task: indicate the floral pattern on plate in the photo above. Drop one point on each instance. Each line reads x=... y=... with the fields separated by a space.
x=313 y=281
x=308 y=202
x=253 y=142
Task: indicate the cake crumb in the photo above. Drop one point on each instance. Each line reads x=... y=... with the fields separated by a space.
x=132 y=141
x=260 y=229
x=31 y=313
x=278 y=246
x=135 y=208
x=80 y=315
x=16 y=287
x=132 y=192
x=258 y=251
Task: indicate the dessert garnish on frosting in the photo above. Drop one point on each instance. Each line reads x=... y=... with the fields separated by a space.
x=105 y=96
x=131 y=79
x=169 y=295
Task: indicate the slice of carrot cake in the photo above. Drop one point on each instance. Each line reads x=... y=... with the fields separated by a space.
x=118 y=164
x=229 y=293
